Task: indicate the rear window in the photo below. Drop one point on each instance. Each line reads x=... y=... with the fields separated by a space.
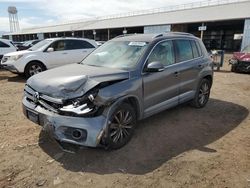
x=184 y=50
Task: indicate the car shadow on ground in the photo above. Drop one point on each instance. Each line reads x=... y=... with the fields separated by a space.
x=17 y=78
x=11 y=77
x=157 y=139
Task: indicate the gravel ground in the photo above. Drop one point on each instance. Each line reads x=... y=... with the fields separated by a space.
x=180 y=147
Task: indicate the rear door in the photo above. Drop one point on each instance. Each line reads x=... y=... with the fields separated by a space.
x=161 y=88
x=79 y=49
x=188 y=58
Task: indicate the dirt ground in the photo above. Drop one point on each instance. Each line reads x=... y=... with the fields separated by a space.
x=180 y=147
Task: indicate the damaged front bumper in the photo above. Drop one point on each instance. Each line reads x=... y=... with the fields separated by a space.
x=79 y=131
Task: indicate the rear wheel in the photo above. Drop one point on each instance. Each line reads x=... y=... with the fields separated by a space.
x=121 y=126
x=34 y=68
x=202 y=94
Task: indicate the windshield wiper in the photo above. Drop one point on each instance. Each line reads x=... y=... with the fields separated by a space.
x=92 y=65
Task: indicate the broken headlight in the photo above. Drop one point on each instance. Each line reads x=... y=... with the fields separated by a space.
x=81 y=106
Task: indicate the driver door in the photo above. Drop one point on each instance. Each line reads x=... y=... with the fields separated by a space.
x=161 y=88
x=60 y=56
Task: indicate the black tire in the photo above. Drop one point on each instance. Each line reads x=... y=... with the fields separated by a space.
x=202 y=94
x=33 y=68
x=121 y=126
x=233 y=68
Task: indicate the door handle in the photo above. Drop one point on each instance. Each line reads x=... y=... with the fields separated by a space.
x=176 y=74
x=200 y=66
x=64 y=53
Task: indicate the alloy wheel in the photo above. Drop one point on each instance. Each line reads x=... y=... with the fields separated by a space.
x=121 y=126
x=204 y=93
x=35 y=69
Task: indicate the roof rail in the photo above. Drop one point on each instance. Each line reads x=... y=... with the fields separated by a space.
x=158 y=35
x=124 y=35
x=180 y=33
x=171 y=33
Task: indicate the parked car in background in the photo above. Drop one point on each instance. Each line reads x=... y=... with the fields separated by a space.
x=99 y=43
x=6 y=46
x=240 y=62
x=98 y=101
x=26 y=45
x=47 y=54
x=18 y=44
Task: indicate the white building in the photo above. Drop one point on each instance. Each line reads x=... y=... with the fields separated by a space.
x=227 y=24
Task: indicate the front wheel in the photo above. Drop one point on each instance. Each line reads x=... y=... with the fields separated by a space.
x=34 y=68
x=121 y=126
x=202 y=94
x=234 y=68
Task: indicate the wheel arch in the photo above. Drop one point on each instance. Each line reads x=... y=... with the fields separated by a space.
x=32 y=61
x=209 y=78
x=134 y=102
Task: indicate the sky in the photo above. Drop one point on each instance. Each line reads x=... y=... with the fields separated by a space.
x=32 y=13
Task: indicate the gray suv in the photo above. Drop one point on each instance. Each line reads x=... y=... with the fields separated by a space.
x=98 y=101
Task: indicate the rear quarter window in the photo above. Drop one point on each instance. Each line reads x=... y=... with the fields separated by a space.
x=196 y=52
x=199 y=48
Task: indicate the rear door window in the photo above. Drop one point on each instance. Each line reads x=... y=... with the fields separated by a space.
x=184 y=50
x=78 y=44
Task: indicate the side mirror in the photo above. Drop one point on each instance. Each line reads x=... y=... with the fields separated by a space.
x=50 y=50
x=155 y=66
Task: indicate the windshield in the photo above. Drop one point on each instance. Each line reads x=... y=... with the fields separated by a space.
x=116 y=54
x=246 y=49
x=27 y=43
x=40 y=45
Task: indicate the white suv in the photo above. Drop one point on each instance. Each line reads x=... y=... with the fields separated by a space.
x=6 y=46
x=48 y=54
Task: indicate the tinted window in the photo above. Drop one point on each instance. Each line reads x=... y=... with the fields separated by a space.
x=195 y=50
x=199 y=48
x=3 y=45
x=35 y=42
x=77 y=44
x=164 y=53
x=184 y=50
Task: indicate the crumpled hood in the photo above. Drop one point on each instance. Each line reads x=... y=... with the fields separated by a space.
x=73 y=80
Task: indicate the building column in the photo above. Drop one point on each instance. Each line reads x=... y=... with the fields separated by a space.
x=108 y=34
x=94 y=33
x=246 y=34
x=40 y=36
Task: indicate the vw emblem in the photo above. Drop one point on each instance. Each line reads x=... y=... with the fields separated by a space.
x=36 y=97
